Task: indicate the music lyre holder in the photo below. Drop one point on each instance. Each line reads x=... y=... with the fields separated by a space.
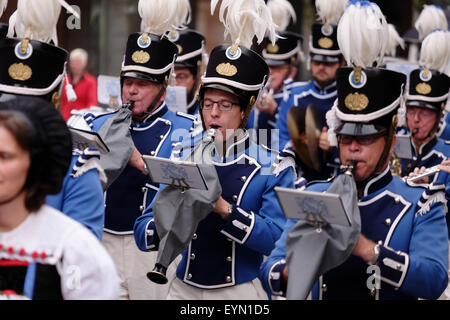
x=317 y=220
x=179 y=183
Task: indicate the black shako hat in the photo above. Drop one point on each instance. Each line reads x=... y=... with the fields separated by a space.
x=323 y=44
x=368 y=106
x=427 y=89
x=30 y=67
x=285 y=50
x=244 y=73
x=149 y=57
x=190 y=46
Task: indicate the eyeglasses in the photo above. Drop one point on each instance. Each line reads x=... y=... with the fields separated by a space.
x=421 y=113
x=361 y=140
x=224 y=105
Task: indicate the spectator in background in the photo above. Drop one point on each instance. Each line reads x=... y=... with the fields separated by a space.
x=84 y=84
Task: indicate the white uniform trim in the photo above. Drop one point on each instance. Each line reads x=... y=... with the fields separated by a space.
x=314 y=94
x=396 y=265
x=389 y=193
x=281 y=56
x=242 y=226
x=275 y=276
x=147 y=70
x=149 y=232
x=234 y=84
x=190 y=55
x=368 y=117
x=32 y=91
x=428 y=99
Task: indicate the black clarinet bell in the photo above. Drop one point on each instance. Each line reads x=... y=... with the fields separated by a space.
x=158 y=274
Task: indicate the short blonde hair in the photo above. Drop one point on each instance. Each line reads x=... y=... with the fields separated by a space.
x=79 y=54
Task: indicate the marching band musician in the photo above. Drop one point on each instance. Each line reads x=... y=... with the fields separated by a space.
x=81 y=196
x=325 y=59
x=432 y=17
x=148 y=61
x=403 y=234
x=425 y=103
x=282 y=59
x=189 y=62
x=223 y=257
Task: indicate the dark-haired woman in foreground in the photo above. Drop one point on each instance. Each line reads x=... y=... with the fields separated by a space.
x=43 y=253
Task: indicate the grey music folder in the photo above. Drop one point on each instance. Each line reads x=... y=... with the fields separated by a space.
x=82 y=139
x=177 y=173
x=403 y=147
x=312 y=207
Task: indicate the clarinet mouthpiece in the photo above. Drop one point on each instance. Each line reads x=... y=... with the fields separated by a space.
x=128 y=105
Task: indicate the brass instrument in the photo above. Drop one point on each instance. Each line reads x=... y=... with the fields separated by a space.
x=396 y=167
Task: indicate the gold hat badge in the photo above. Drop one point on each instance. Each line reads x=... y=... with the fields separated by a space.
x=356 y=101
x=423 y=88
x=140 y=57
x=226 y=69
x=20 y=71
x=325 y=42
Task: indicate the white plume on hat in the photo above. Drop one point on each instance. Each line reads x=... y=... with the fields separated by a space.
x=3 y=5
x=160 y=16
x=394 y=40
x=245 y=19
x=282 y=12
x=430 y=18
x=330 y=11
x=363 y=34
x=37 y=20
x=435 y=50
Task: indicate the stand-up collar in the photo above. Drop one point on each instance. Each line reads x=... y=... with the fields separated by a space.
x=233 y=149
x=426 y=147
x=378 y=182
x=326 y=90
x=158 y=113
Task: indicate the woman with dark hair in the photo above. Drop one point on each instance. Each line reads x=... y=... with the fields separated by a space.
x=43 y=253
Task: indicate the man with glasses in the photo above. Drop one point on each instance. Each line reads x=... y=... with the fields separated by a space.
x=188 y=64
x=425 y=102
x=403 y=235
x=223 y=258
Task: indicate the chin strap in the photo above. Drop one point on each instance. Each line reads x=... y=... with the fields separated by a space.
x=153 y=104
x=382 y=161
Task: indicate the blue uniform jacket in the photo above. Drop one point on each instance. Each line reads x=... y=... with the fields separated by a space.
x=432 y=153
x=303 y=96
x=413 y=258
x=129 y=194
x=228 y=252
x=443 y=130
x=81 y=198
